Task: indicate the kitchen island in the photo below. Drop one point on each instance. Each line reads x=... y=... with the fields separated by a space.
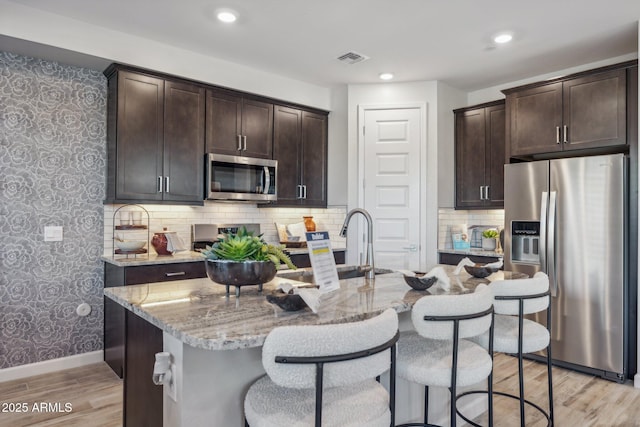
x=215 y=341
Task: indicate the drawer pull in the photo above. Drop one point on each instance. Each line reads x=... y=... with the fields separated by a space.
x=177 y=273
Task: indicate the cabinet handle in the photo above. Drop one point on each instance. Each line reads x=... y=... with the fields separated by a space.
x=239 y=142
x=159 y=184
x=244 y=141
x=557 y=134
x=177 y=273
x=166 y=184
x=565 y=134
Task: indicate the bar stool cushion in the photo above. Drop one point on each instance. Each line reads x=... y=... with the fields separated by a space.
x=505 y=335
x=361 y=404
x=427 y=361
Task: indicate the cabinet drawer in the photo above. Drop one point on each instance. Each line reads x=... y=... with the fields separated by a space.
x=164 y=272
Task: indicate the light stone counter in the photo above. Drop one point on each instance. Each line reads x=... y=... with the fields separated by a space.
x=121 y=261
x=197 y=312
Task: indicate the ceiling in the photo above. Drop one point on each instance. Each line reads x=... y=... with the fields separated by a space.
x=417 y=40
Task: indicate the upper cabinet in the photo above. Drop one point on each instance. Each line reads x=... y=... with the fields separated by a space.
x=480 y=153
x=300 y=146
x=582 y=111
x=155 y=138
x=238 y=125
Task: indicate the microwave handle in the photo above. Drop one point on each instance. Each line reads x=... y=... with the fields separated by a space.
x=266 y=180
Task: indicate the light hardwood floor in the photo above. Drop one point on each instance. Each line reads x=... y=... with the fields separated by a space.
x=95 y=394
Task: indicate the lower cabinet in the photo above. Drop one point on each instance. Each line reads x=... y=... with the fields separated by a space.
x=303 y=260
x=454 y=259
x=114 y=313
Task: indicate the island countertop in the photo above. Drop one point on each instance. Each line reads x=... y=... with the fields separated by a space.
x=198 y=312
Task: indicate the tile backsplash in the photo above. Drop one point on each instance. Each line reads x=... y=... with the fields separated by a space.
x=180 y=219
x=448 y=217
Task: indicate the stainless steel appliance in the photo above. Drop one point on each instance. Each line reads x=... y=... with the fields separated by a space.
x=203 y=235
x=241 y=179
x=567 y=217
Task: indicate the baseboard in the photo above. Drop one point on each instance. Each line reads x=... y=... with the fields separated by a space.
x=53 y=365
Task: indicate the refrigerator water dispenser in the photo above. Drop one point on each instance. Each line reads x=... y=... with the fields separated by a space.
x=525 y=245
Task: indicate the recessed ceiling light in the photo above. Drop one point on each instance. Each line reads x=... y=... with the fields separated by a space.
x=386 y=76
x=503 y=38
x=227 y=16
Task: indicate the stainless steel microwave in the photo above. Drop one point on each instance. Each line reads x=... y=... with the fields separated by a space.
x=241 y=179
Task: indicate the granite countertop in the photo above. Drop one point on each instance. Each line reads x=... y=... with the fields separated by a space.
x=190 y=256
x=472 y=251
x=198 y=312
x=152 y=259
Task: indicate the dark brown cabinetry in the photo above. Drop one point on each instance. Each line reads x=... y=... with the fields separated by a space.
x=238 y=125
x=300 y=146
x=155 y=139
x=114 y=314
x=583 y=111
x=131 y=341
x=480 y=145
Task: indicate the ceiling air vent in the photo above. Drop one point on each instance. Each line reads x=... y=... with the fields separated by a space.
x=352 y=58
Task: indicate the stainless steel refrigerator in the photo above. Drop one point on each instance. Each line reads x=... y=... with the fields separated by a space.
x=567 y=217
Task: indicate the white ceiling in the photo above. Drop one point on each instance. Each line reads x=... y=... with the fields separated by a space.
x=418 y=40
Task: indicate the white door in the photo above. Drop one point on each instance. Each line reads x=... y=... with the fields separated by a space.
x=391 y=181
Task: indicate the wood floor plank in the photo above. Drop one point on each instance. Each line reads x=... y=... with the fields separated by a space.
x=96 y=397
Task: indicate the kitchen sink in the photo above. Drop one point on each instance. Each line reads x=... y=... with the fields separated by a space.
x=343 y=273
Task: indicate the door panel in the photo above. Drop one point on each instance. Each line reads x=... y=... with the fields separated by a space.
x=588 y=310
x=392 y=185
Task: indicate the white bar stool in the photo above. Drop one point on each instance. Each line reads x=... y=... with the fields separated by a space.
x=437 y=353
x=514 y=334
x=325 y=375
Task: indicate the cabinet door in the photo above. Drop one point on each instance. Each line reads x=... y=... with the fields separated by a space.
x=470 y=140
x=139 y=136
x=595 y=110
x=287 y=132
x=223 y=123
x=257 y=129
x=535 y=117
x=183 y=142
x=314 y=159
x=494 y=156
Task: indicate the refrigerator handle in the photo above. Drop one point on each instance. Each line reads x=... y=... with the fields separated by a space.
x=551 y=269
x=542 y=241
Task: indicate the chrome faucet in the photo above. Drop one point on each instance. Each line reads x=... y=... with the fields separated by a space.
x=369 y=257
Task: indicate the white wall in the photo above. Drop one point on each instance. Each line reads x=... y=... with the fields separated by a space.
x=338 y=144
x=37 y=26
x=390 y=94
x=493 y=93
x=449 y=98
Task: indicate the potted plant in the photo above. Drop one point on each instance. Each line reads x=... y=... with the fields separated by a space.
x=489 y=237
x=241 y=258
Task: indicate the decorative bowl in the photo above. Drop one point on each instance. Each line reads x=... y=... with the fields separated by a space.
x=130 y=245
x=479 y=271
x=420 y=283
x=239 y=273
x=287 y=302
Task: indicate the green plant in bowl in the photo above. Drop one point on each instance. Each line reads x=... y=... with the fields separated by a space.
x=490 y=233
x=244 y=246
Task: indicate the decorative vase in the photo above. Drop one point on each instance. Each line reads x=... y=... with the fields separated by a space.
x=488 y=244
x=159 y=243
x=309 y=224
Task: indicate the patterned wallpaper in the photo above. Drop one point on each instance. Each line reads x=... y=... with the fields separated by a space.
x=52 y=166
